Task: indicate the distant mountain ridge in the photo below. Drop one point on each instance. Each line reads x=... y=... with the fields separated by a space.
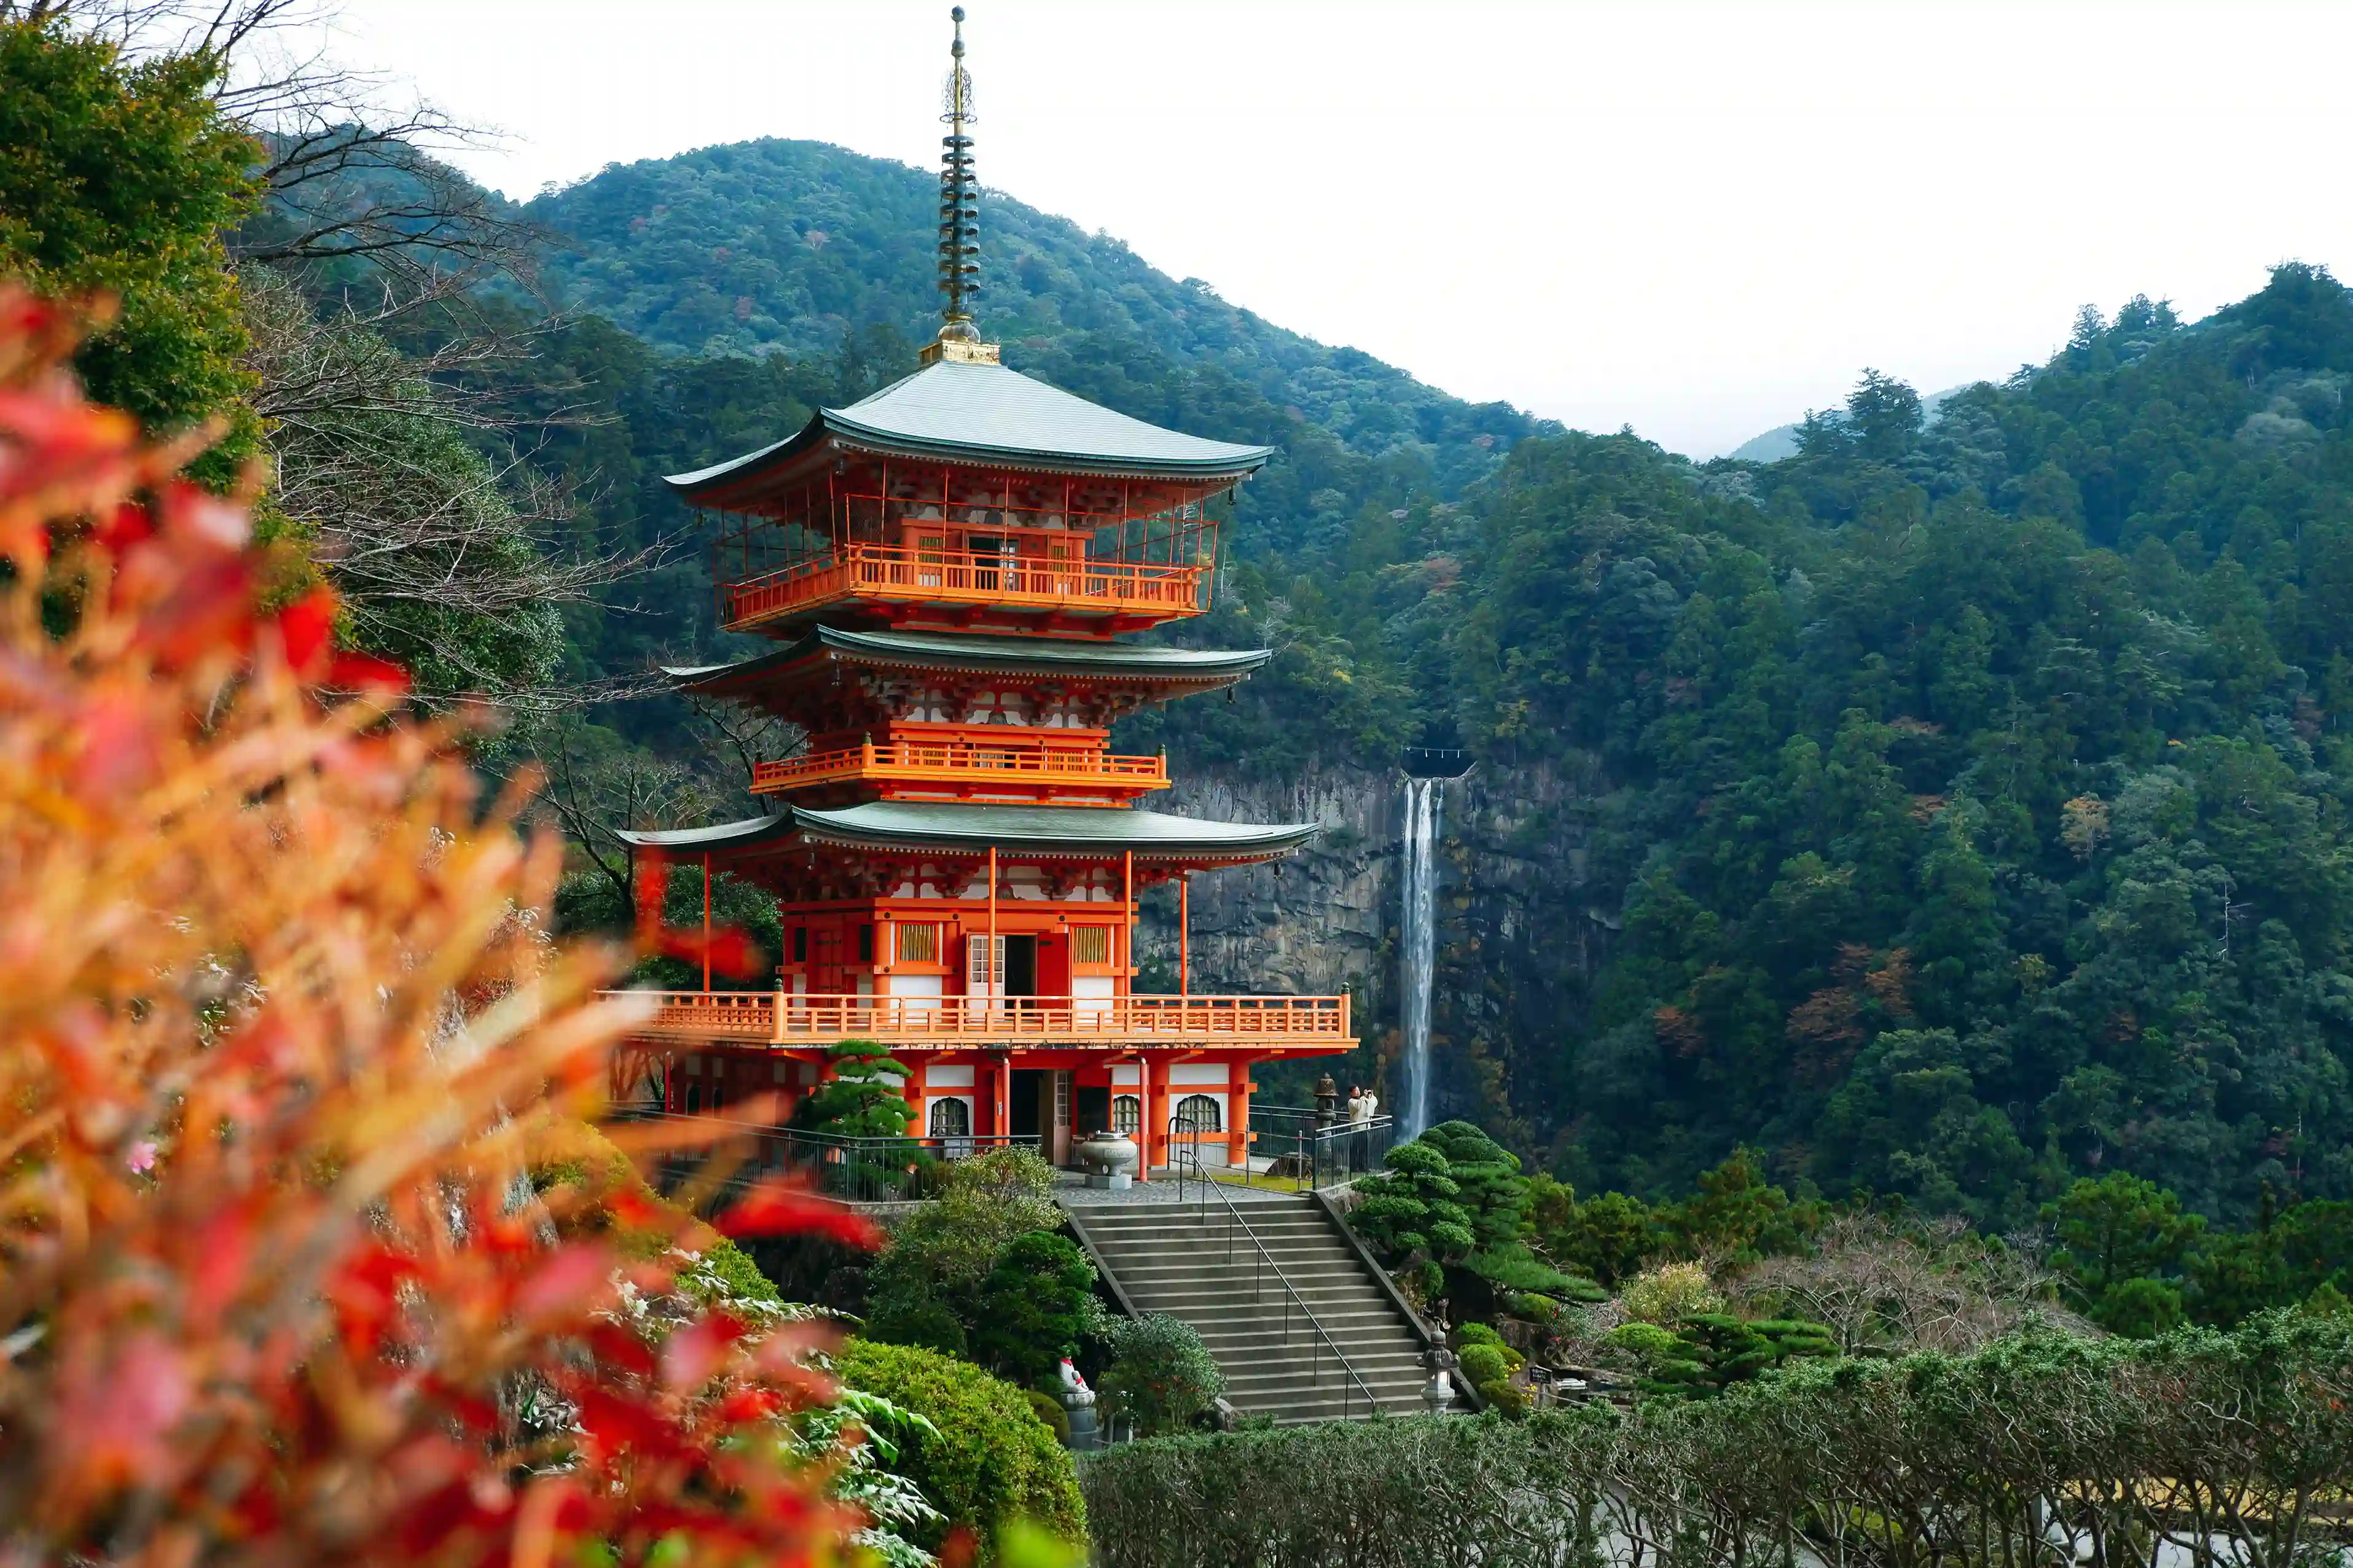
x=1781 y=441
x=773 y=245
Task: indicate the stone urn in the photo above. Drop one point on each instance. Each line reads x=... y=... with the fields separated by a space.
x=1110 y=1159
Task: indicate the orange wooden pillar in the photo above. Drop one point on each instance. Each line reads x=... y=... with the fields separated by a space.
x=1238 y=1093
x=1154 y=1082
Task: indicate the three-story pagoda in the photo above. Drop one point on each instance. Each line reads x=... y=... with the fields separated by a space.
x=947 y=569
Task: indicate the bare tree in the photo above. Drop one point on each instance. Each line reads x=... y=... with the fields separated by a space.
x=1882 y=1286
x=595 y=790
x=406 y=517
x=747 y=735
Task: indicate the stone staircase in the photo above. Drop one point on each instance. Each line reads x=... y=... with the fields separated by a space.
x=1173 y=1258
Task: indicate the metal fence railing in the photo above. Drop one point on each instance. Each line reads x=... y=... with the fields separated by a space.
x=855 y=1170
x=1315 y=1148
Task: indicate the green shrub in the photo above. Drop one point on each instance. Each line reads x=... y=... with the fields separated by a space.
x=1669 y=1294
x=1505 y=1395
x=993 y=1460
x=1483 y=1365
x=939 y=1257
x=1907 y=1443
x=2139 y=1309
x=1161 y=1375
x=1051 y=1410
x=921 y=1321
x=1411 y=1207
x=1030 y=1310
x=1517 y=1269
x=1477 y=1334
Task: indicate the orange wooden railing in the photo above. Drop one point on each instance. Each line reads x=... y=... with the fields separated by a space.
x=961 y=762
x=765 y=1017
x=948 y=576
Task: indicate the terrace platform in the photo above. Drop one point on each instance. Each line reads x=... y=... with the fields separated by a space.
x=751 y=1018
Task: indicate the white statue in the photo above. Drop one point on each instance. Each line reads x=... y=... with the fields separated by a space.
x=1076 y=1395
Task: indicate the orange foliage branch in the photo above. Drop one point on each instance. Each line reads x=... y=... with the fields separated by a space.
x=278 y=1022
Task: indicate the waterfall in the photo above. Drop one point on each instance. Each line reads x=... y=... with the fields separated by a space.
x=1424 y=800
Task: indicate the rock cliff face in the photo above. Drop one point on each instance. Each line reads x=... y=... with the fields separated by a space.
x=1519 y=938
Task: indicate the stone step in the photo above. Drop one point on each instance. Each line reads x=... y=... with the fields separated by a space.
x=1250 y=1391
x=1259 y=1376
x=1267 y=1220
x=1211 y=1273
x=1241 y=1270
x=1338 y=1297
x=1330 y=1405
x=1367 y=1341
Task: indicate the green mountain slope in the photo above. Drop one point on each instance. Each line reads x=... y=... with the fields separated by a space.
x=776 y=245
x=1974 y=794
x=1968 y=797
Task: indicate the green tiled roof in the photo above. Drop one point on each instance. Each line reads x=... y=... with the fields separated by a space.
x=1025 y=656
x=1032 y=829
x=987 y=413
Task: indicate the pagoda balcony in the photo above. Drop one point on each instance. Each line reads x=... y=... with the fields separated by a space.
x=755 y=1019
x=1136 y=592
x=961 y=768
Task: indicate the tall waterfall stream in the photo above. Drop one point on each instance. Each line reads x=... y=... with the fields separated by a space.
x=1425 y=802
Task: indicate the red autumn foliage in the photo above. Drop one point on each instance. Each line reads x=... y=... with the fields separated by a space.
x=278 y=1026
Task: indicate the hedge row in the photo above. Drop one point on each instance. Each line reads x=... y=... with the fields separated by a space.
x=2035 y=1451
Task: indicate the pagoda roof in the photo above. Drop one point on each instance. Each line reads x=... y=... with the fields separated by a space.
x=1066 y=830
x=989 y=654
x=986 y=414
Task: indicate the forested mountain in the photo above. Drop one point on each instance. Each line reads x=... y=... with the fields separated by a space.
x=771 y=245
x=1967 y=792
x=1948 y=810
x=1974 y=794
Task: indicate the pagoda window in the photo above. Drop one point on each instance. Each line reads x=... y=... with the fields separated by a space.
x=1201 y=1113
x=800 y=944
x=1091 y=944
x=866 y=944
x=918 y=942
x=951 y=1119
x=1127 y=1114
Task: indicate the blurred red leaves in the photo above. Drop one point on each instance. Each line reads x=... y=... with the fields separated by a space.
x=776 y=1207
x=279 y=1024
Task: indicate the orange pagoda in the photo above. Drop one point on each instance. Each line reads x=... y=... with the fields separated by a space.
x=947 y=570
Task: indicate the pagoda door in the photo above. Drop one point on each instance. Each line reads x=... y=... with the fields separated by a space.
x=984 y=972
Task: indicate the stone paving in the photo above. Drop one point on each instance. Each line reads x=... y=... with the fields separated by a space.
x=1071 y=1189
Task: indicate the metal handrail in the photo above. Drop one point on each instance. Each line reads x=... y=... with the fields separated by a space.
x=1192 y=1156
x=1313 y=1133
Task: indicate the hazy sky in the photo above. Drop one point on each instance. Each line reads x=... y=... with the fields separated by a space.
x=1699 y=220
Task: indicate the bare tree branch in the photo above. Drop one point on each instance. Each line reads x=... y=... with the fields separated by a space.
x=594 y=792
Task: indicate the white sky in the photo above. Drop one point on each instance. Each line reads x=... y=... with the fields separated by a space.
x=1697 y=220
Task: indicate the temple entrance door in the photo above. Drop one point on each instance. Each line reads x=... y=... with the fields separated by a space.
x=1021 y=966
x=1033 y=1103
x=993 y=555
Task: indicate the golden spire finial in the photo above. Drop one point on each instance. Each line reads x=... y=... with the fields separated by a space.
x=959 y=218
